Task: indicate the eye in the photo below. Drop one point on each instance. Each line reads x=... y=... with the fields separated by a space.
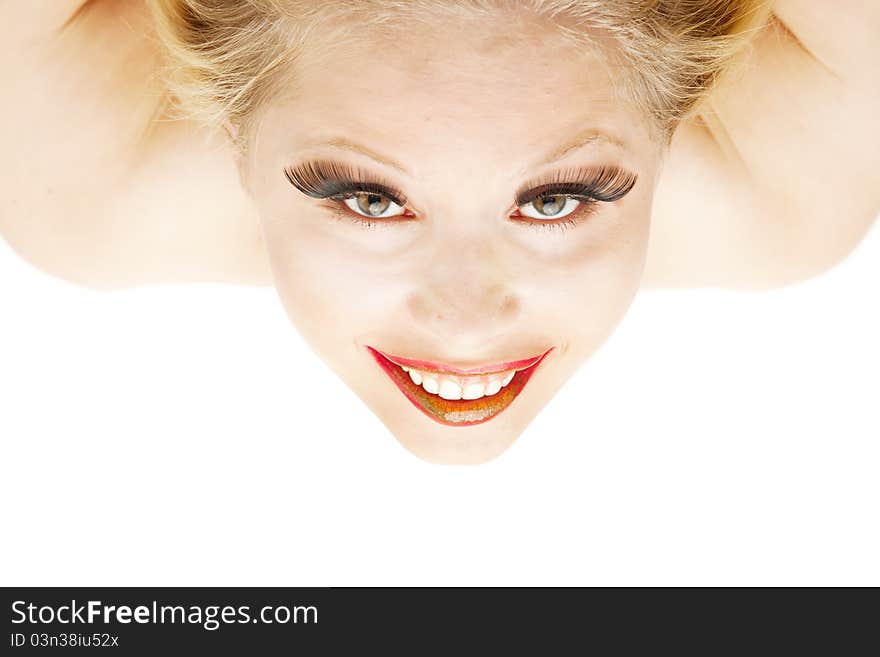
x=553 y=206
x=563 y=198
x=355 y=194
x=372 y=205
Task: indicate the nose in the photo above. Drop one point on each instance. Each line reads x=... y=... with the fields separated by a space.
x=465 y=296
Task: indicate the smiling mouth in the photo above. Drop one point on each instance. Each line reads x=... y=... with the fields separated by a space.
x=458 y=397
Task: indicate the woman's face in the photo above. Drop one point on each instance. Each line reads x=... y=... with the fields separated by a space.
x=429 y=206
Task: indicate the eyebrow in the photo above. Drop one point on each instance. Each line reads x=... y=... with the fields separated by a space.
x=583 y=138
x=342 y=143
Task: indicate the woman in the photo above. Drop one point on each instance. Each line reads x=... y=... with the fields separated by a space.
x=454 y=198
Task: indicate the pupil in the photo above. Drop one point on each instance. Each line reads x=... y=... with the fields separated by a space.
x=372 y=203
x=550 y=205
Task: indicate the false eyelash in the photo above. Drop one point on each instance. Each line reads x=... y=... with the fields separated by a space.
x=606 y=183
x=326 y=179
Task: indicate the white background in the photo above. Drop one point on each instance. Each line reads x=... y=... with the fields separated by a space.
x=187 y=436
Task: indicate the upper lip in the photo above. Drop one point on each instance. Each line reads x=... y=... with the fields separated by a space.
x=443 y=368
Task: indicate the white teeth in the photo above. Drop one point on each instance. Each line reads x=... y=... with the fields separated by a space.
x=459 y=387
x=450 y=389
x=429 y=383
x=473 y=391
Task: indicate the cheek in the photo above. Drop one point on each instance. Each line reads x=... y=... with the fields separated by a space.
x=577 y=285
x=587 y=288
x=329 y=288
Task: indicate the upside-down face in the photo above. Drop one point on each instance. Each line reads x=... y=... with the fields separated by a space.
x=454 y=224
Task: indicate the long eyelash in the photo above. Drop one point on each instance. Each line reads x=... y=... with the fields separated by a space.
x=607 y=183
x=326 y=179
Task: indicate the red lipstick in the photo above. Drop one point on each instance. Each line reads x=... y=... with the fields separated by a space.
x=449 y=369
x=458 y=412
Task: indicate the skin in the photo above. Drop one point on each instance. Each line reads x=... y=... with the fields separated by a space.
x=732 y=203
x=463 y=283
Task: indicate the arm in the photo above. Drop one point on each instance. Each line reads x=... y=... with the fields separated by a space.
x=97 y=186
x=780 y=178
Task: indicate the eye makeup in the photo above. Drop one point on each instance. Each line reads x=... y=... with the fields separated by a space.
x=605 y=183
x=324 y=179
x=589 y=186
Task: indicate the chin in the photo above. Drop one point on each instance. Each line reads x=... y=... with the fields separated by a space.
x=473 y=445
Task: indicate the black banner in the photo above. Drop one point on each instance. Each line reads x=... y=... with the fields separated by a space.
x=134 y=621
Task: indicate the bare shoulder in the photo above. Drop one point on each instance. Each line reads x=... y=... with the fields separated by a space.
x=98 y=187
x=779 y=178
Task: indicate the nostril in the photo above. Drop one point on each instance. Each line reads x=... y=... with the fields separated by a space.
x=489 y=308
x=509 y=306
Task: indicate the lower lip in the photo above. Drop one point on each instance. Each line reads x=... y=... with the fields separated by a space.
x=457 y=412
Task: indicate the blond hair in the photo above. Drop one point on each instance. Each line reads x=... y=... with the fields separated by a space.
x=225 y=59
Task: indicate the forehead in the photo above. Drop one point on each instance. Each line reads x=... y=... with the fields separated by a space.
x=489 y=88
